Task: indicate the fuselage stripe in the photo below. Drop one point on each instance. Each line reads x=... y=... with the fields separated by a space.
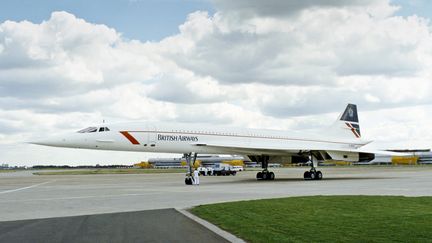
x=130 y=137
x=244 y=136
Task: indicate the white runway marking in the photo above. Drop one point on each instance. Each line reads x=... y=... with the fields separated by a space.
x=24 y=188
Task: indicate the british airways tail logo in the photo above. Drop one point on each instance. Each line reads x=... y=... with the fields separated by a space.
x=355 y=129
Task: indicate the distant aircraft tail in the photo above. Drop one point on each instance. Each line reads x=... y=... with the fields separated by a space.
x=347 y=124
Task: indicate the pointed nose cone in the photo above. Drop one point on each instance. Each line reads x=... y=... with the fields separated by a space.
x=55 y=142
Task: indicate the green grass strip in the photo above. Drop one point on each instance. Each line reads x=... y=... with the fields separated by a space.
x=325 y=219
x=7 y=171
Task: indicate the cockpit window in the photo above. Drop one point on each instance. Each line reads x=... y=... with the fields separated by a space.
x=88 y=129
x=103 y=129
x=94 y=129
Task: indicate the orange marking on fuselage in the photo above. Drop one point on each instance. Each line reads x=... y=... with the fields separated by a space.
x=130 y=137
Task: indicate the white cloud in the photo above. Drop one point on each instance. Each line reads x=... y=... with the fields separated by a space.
x=277 y=8
x=278 y=64
x=317 y=47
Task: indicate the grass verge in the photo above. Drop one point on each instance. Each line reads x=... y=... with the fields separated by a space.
x=325 y=219
x=109 y=171
x=7 y=171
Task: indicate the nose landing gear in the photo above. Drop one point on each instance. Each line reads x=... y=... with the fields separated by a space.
x=190 y=160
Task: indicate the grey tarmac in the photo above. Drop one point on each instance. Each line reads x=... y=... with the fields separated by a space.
x=27 y=196
x=161 y=225
x=24 y=196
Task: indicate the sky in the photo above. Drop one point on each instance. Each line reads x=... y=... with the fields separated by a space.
x=290 y=65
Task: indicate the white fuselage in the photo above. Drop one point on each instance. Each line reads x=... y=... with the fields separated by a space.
x=170 y=138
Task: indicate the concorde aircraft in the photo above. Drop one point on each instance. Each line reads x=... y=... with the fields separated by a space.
x=341 y=141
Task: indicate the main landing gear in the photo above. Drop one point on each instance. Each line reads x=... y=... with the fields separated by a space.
x=190 y=160
x=313 y=174
x=265 y=174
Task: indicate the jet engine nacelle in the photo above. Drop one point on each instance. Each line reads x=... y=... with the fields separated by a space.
x=351 y=156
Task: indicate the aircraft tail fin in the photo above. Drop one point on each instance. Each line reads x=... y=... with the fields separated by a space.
x=347 y=125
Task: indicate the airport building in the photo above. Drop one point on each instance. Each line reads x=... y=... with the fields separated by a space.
x=417 y=156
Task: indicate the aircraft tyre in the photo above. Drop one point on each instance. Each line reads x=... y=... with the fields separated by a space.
x=265 y=175
x=271 y=176
x=259 y=175
x=313 y=175
x=306 y=175
x=188 y=181
x=319 y=175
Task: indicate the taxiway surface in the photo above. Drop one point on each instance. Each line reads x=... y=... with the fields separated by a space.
x=27 y=196
x=161 y=225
